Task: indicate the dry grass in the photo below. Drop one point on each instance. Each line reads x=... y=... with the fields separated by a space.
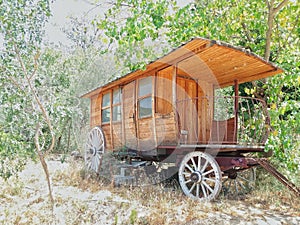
x=172 y=207
x=271 y=194
x=93 y=200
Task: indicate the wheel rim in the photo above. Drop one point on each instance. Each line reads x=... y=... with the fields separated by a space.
x=200 y=176
x=95 y=148
x=240 y=184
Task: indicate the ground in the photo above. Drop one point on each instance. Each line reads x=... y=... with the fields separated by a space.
x=81 y=199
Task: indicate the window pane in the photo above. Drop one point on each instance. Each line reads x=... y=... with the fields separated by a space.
x=145 y=86
x=106 y=100
x=106 y=116
x=117 y=113
x=145 y=107
x=116 y=96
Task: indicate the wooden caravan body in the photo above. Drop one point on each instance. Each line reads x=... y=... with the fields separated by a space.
x=172 y=104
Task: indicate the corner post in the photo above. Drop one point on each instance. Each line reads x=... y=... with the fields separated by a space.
x=236 y=108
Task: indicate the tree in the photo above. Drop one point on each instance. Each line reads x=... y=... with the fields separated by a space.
x=22 y=24
x=266 y=28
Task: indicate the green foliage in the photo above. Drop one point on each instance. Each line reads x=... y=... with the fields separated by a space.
x=12 y=154
x=283 y=97
x=243 y=23
x=21 y=25
x=133 y=216
x=134 y=26
x=132 y=33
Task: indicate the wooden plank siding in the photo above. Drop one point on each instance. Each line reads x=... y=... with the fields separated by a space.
x=182 y=96
x=166 y=129
x=129 y=115
x=117 y=135
x=205 y=111
x=95 y=113
x=107 y=134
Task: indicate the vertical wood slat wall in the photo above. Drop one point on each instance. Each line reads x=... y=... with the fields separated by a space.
x=161 y=128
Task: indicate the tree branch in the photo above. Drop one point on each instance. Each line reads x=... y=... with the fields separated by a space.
x=35 y=65
x=268 y=4
x=43 y=162
x=42 y=108
x=280 y=6
x=247 y=32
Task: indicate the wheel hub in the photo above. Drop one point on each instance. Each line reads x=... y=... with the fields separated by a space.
x=93 y=151
x=196 y=177
x=232 y=175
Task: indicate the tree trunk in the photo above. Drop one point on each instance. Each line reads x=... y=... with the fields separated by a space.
x=271 y=16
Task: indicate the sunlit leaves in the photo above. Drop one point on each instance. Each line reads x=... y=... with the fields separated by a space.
x=130 y=24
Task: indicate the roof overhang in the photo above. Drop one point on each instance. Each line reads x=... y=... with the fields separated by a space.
x=202 y=59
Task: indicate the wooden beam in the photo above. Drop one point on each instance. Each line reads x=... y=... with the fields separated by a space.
x=236 y=108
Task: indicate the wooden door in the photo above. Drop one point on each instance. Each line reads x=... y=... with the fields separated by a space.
x=187 y=108
x=129 y=116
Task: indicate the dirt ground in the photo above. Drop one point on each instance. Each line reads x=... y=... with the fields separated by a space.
x=24 y=200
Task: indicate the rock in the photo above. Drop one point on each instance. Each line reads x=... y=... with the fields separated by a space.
x=76 y=155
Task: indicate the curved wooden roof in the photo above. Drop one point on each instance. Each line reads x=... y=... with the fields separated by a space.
x=202 y=59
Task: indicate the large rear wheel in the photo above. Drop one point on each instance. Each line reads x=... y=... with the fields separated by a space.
x=200 y=176
x=95 y=148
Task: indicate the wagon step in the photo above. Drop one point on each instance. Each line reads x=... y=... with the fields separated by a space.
x=124 y=178
x=267 y=166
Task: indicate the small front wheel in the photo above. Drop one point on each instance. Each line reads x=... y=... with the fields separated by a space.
x=239 y=183
x=95 y=148
x=200 y=176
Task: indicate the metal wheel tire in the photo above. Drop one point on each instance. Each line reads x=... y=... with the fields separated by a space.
x=95 y=148
x=241 y=184
x=200 y=176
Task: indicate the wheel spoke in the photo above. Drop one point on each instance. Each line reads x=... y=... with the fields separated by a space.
x=208 y=172
x=243 y=178
x=194 y=164
x=241 y=185
x=204 y=167
x=187 y=166
x=209 y=179
x=225 y=181
x=188 y=181
x=197 y=190
x=193 y=186
x=204 y=190
x=186 y=173
x=236 y=187
x=207 y=186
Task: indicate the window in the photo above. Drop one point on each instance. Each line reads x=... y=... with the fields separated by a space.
x=116 y=107
x=106 y=108
x=145 y=97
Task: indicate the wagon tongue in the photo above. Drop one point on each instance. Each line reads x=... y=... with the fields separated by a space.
x=267 y=166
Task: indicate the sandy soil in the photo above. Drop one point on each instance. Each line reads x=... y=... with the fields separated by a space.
x=24 y=200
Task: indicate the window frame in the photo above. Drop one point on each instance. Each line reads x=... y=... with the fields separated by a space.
x=117 y=104
x=142 y=97
x=107 y=107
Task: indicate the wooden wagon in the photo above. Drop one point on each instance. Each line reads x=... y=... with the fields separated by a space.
x=175 y=112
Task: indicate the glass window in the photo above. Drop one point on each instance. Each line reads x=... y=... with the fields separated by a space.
x=117 y=113
x=145 y=107
x=106 y=100
x=106 y=108
x=116 y=96
x=106 y=115
x=145 y=86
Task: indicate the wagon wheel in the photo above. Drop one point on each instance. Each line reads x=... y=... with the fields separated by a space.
x=200 y=176
x=239 y=183
x=95 y=148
